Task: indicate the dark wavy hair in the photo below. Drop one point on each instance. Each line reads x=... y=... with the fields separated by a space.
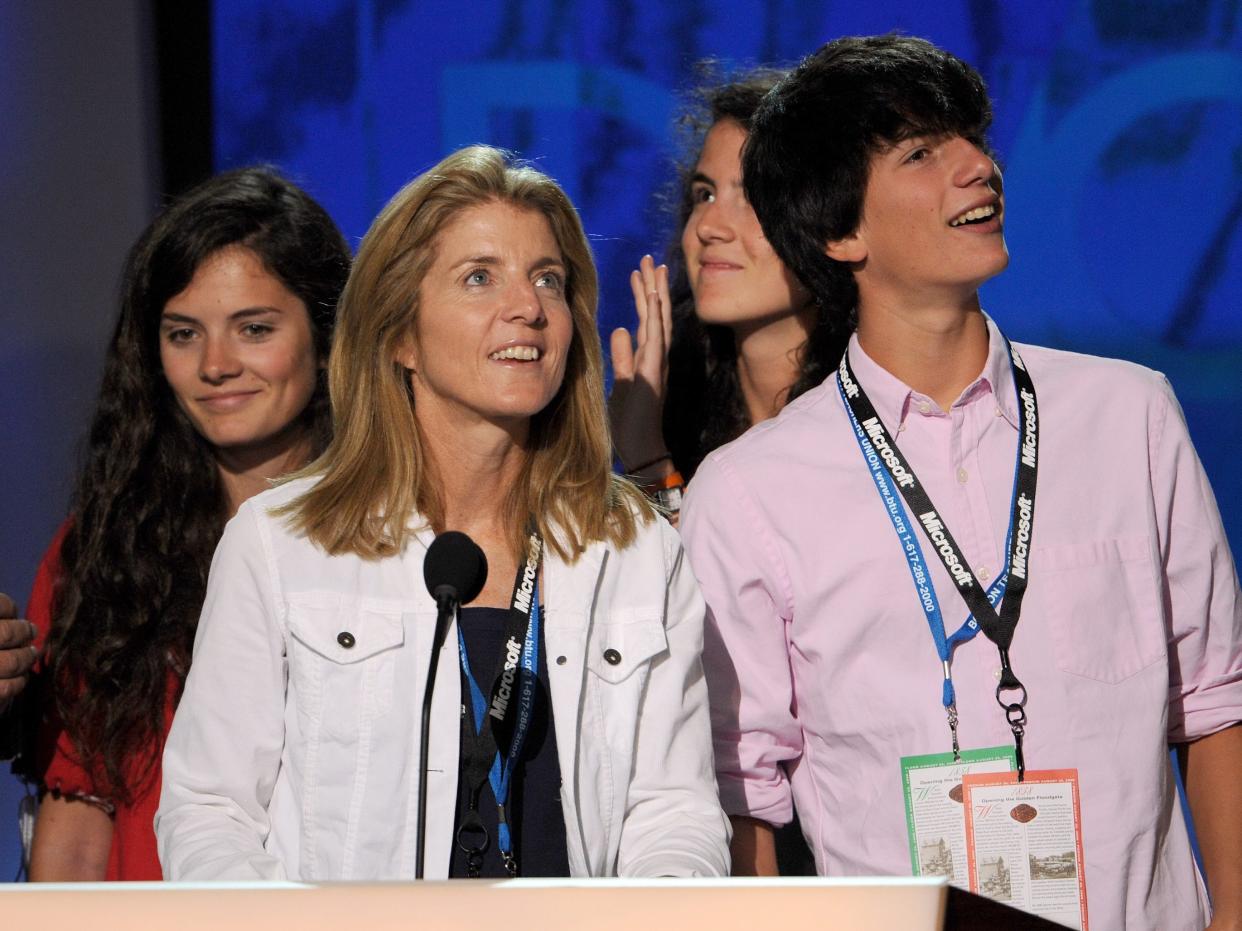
x=704 y=407
x=807 y=161
x=149 y=507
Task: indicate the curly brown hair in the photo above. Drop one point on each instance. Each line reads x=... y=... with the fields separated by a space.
x=148 y=506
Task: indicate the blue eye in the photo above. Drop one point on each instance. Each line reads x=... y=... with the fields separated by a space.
x=550 y=280
x=478 y=276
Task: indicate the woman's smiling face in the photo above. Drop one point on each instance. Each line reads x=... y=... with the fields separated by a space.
x=493 y=328
x=736 y=276
x=238 y=352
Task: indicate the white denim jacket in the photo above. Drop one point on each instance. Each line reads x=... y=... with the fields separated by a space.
x=294 y=751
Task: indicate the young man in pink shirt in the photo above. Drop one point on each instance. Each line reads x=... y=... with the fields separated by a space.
x=962 y=596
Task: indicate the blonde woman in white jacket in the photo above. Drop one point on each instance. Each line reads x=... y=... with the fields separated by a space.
x=467 y=392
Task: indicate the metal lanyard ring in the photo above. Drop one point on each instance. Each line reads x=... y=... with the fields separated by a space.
x=1009 y=706
x=472 y=824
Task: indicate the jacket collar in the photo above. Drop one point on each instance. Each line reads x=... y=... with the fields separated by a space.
x=569 y=589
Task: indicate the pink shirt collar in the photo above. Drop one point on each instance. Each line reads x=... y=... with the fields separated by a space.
x=893 y=399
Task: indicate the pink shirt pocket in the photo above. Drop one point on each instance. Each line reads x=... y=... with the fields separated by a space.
x=1104 y=604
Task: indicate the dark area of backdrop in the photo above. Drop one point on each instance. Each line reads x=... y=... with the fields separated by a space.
x=1119 y=123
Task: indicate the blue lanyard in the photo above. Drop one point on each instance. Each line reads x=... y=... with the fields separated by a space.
x=493 y=736
x=913 y=553
x=525 y=672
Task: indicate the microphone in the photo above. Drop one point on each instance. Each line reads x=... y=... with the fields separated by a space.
x=454 y=570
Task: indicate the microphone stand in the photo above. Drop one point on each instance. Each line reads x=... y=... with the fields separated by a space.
x=446 y=607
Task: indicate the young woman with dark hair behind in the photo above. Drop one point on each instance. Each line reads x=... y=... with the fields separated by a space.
x=213 y=385
x=743 y=335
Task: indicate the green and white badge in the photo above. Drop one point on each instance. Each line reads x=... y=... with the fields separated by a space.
x=932 y=785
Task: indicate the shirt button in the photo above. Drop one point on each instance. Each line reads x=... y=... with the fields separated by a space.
x=999 y=412
x=560 y=661
x=996 y=673
x=924 y=408
x=982 y=573
x=962 y=476
x=346 y=639
x=612 y=657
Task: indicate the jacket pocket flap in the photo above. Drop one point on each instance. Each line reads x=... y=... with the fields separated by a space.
x=346 y=633
x=621 y=648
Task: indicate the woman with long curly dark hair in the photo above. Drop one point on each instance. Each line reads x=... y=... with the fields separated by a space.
x=743 y=335
x=213 y=385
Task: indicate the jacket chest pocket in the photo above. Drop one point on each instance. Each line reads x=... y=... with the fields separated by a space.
x=1104 y=606
x=342 y=660
x=619 y=658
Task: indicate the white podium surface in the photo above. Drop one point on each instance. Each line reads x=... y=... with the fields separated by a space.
x=881 y=904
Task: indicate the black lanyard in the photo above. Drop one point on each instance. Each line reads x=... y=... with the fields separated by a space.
x=492 y=750
x=999 y=628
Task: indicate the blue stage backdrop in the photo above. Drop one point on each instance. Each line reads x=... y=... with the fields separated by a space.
x=1119 y=123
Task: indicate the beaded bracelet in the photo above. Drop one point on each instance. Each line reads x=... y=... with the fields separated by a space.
x=667 y=491
x=672 y=480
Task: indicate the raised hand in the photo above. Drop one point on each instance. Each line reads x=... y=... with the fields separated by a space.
x=17 y=653
x=640 y=372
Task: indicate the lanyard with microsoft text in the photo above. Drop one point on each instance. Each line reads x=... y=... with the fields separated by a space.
x=502 y=719
x=878 y=446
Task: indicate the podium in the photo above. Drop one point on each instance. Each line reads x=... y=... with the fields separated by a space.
x=909 y=904
x=854 y=904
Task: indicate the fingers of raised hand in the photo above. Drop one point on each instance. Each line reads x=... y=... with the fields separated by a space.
x=7 y=607
x=17 y=655
x=16 y=632
x=644 y=285
x=16 y=663
x=621 y=344
x=666 y=305
x=658 y=322
x=10 y=686
x=647 y=268
x=653 y=343
x=640 y=302
x=649 y=360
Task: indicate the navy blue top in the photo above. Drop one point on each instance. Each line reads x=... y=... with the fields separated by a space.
x=535 y=815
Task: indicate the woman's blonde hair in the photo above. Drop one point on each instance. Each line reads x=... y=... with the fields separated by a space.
x=376 y=474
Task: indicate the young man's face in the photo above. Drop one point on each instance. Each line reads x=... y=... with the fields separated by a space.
x=932 y=223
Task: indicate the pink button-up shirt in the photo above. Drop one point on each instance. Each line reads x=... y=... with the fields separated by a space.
x=823 y=672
